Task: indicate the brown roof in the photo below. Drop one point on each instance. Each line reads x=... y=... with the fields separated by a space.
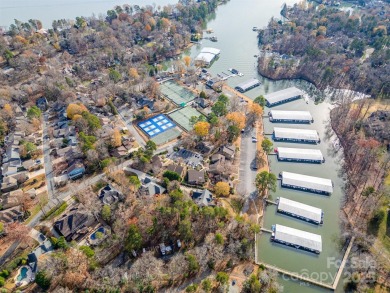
x=196 y=176
x=176 y=168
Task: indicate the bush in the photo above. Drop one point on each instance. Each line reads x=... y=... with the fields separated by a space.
x=192 y=288
x=4 y=273
x=2 y=281
x=42 y=280
x=172 y=176
x=88 y=251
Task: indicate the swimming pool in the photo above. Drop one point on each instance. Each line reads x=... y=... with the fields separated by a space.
x=23 y=273
x=93 y=236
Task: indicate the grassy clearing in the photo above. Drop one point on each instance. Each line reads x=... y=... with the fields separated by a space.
x=34 y=182
x=43 y=198
x=56 y=211
x=384 y=232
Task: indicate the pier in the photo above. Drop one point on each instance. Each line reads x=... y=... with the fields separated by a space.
x=308 y=280
x=265 y=230
x=297 y=276
x=270 y=202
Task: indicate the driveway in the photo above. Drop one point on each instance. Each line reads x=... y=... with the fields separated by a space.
x=247 y=175
x=130 y=127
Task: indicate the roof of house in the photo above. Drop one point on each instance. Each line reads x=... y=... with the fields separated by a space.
x=228 y=150
x=176 y=168
x=196 y=176
x=203 y=198
x=71 y=223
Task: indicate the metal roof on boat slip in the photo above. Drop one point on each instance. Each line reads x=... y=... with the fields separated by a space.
x=295 y=133
x=300 y=209
x=291 y=115
x=305 y=181
x=300 y=154
x=298 y=237
x=210 y=50
x=247 y=84
x=206 y=57
x=282 y=95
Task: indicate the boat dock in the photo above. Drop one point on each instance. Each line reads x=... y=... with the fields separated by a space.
x=265 y=230
x=312 y=281
x=270 y=202
x=297 y=276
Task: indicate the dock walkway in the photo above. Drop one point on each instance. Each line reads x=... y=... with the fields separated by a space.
x=306 y=279
x=298 y=277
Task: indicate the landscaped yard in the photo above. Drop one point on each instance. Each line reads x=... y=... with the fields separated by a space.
x=34 y=182
x=41 y=202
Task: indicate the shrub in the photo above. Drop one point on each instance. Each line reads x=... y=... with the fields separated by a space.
x=42 y=280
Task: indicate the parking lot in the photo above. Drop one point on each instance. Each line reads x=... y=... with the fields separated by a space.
x=190 y=158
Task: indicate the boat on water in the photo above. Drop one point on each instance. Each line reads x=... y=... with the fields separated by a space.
x=254 y=28
x=214 y=39
x=236 y=72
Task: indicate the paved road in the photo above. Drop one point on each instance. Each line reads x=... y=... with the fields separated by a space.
x=47 y=160
x=247 y=175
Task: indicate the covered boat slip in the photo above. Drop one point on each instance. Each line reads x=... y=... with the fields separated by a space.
x=283 y=96
x=247 y=85
x=299 y=155
x=307 y=183
x=299 y=210
x=296 y=135
x=290 y=116
x=297 y=238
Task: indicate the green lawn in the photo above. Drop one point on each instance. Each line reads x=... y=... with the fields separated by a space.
x=384 y=232
x=35 y=210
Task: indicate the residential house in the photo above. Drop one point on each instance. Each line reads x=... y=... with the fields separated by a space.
x=205 y=147
x=14 y=214
x=109 y=195
x=228 y=152
x=75 y=225
x=11 y=199
x=203 y=198
x=204 y=103
x=217 y=164
x=9 y=184
x=144 y=101
x=177 y=168
x=119 y=152
x=149 y=188
x=196 y=177
x=42 y=103
x=61 y=180
x=76 y=171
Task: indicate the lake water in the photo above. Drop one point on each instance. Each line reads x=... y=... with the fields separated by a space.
x=238 y=43
x=49 y=10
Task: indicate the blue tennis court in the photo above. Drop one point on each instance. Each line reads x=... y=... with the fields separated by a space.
x=156 y=125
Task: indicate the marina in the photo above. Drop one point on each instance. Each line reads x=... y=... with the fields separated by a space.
x=297 y=238
x=299 y=155
x=296 y=135
x=306 y=183
x=300 y=211
x=290 y=116
x=283 y=96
